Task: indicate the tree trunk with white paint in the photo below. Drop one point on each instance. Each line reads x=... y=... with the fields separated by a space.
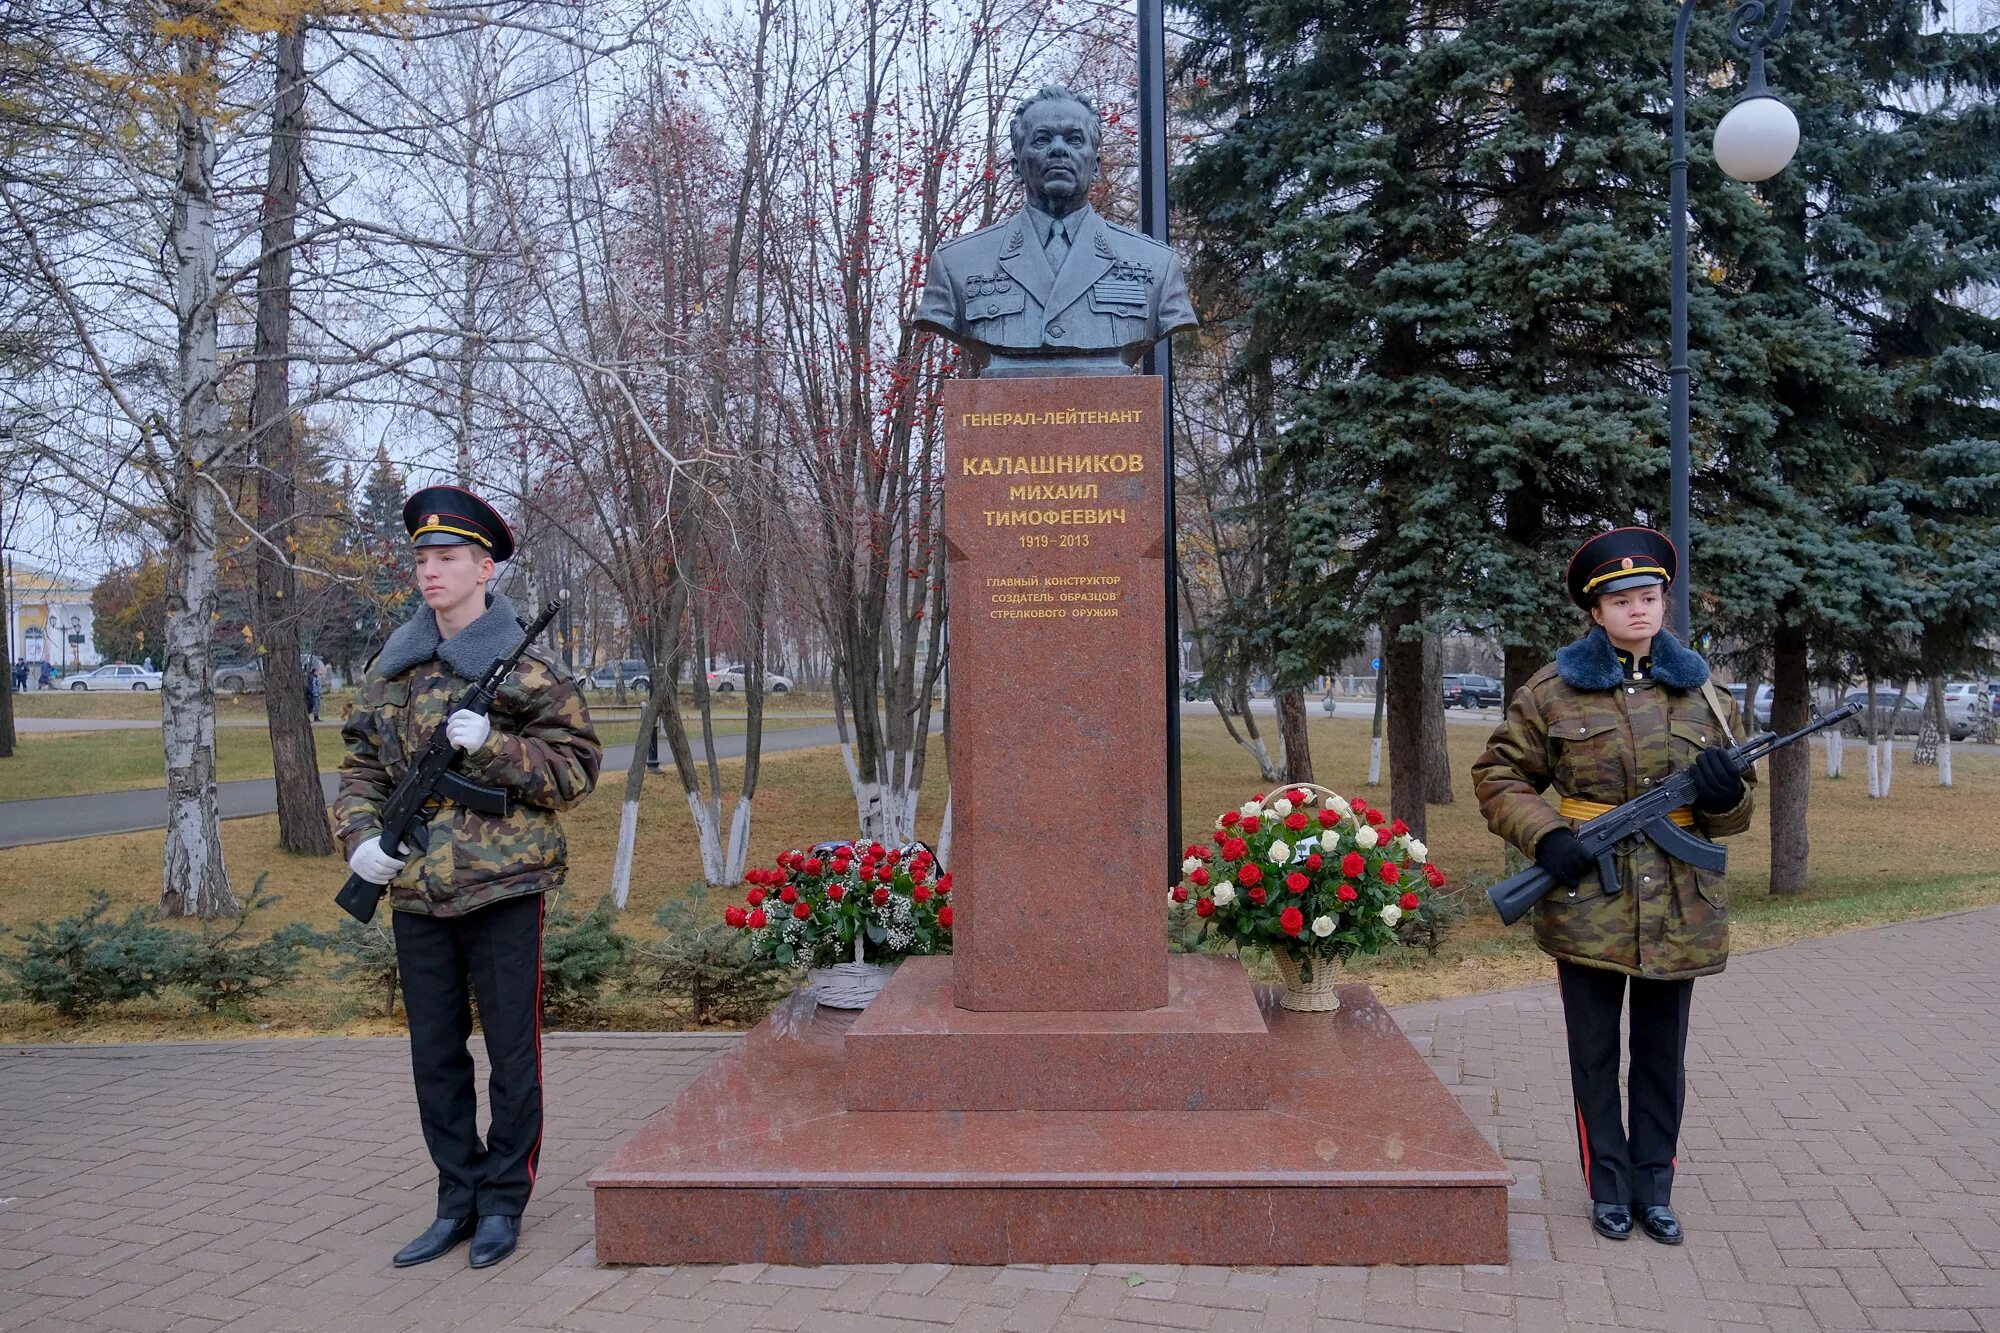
x=628 y=813
x=1942 y=721
x=1375 y=738
x=1836 y=750
x=194 y=881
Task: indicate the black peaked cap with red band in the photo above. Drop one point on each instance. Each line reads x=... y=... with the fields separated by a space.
x=1619 y=559
x=454 y=516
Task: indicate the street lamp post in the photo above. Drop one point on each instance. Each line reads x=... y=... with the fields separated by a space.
x=1753 y=142
x=1159 y=361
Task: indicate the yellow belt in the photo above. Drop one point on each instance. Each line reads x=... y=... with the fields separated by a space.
x=1573 y=808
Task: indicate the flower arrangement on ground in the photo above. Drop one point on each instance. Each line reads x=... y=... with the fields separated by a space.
x=1309 y=875
x=815 y=906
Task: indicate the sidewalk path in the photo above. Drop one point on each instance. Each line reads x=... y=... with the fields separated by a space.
x=63 y=818
x=46 y=725
x=1840 y=1170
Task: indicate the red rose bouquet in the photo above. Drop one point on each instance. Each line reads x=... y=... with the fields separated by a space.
x=816 y=905
x=1309 y=875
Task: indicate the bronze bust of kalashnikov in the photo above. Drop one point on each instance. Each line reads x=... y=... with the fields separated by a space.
x=1055 y=289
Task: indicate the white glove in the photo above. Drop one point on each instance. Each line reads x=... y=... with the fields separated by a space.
x=372 y=863
x=467 y=730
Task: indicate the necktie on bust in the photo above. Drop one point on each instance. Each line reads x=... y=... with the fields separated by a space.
x=1058 y=246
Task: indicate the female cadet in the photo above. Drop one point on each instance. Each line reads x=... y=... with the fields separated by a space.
x=1617 y=711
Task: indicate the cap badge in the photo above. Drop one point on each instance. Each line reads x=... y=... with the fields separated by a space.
x=1626 y=564
x=433 y=518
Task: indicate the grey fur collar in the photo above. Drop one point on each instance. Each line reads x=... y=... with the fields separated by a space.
x=468 y=652
x=1591 y=663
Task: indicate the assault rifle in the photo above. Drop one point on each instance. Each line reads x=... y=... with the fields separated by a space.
x=1649 y=816
x=431 y=779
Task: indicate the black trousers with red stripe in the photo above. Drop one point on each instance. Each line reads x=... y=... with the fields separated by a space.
x=495 y=955
x=1635 y=1168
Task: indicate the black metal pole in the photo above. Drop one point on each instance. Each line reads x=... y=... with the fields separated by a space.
x=1160 y=361
x=1677 y=362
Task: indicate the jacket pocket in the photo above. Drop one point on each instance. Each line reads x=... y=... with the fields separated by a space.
x=1579 y=729
x=1587 y=757
x=1691 y=738
x=389 y=710
x=992 y=307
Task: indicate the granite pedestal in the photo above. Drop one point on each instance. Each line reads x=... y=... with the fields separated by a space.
x=1360 y=1157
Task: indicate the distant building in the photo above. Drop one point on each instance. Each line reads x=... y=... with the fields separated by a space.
x=49 y=620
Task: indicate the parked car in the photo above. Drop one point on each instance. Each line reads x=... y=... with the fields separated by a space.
x=1762 y=720
x=728 y=680
x=1960 y=696
x=633 y=669
x=1907 y=721
x=247 y=677
x=1472 y=691
x=115 y=676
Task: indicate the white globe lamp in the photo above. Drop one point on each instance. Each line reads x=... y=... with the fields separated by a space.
x=1757 y=138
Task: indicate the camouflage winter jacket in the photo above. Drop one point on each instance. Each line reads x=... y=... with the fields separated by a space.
x=1579 y=728
x=542 y=751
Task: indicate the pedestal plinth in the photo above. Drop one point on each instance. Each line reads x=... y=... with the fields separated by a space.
x=913 y=1049
x=1362 y=1157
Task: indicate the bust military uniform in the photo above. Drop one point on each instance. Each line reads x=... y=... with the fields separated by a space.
x=1113 y=293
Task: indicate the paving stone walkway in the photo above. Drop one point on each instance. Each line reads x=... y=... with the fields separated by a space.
x=1840 y=1169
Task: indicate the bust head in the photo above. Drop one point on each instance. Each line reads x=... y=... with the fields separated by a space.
x=1055 y=135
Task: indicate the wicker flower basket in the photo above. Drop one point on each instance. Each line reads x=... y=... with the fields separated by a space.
x=1321 y=995
x=848 y=985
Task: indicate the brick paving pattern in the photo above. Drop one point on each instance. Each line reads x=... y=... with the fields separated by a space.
x=1840 y=1169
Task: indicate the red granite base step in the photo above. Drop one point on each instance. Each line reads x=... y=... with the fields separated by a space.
x=1206 y=1049
x=1360 y=1157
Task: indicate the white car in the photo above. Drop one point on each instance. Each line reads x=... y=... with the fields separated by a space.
x=728 y=680
x=115 y=676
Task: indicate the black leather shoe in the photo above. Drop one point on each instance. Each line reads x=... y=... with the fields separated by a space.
x=1612 y=1220
x=494 y=1240
x=442 y=1235
x=1660 y=1223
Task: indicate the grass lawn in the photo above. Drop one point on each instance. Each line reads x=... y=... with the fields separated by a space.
x=73 y=763
x=1925 y=851
x=131 y=704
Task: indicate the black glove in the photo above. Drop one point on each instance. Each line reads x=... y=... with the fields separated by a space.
x=1561 y=853
x=1717 y=784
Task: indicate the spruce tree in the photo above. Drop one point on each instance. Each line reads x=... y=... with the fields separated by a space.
x=1442 y=224
x=1845 y=515
x=380 y=532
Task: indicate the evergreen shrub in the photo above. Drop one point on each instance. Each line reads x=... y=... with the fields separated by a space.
x=83 y=963
x=579 y=956
x=709 y=966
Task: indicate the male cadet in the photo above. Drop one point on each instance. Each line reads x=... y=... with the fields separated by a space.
x=468 y=907
x=1056 y=289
